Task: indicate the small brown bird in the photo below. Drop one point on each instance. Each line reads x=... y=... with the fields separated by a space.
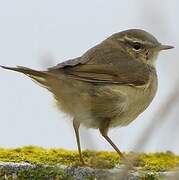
x=108 y=86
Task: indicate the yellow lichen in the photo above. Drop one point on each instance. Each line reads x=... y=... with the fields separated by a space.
x=37 y=155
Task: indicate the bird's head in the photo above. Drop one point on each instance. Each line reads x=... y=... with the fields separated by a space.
x=139 y=44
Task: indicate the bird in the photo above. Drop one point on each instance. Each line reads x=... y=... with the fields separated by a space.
x=109 y=86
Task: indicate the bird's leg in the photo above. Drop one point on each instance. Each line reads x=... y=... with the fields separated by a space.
x=104 y=132
x=76 y=126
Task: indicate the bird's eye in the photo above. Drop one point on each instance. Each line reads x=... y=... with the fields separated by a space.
x=137 y=46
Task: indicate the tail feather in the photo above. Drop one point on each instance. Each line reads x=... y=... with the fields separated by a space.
x=25 y=70
x=38 y=76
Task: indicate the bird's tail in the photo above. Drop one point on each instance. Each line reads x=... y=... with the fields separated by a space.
x=40 y=77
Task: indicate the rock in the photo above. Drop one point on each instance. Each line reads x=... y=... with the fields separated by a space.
x=16 y=171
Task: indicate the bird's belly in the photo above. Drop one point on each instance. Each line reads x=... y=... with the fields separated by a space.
x=138 y=100
x=91 y=105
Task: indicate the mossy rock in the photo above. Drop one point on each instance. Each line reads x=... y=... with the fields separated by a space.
x=36 y=163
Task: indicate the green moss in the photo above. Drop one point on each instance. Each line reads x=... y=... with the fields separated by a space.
x=151 y=176
x=153 y=162
x=38 y=172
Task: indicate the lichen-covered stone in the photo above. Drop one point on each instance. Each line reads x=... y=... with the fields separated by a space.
x=26 y=171
x=35 y=163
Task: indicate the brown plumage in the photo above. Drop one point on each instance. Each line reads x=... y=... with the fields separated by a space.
x=108 y=86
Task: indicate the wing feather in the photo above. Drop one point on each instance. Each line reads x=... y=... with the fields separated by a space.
x=105 y=65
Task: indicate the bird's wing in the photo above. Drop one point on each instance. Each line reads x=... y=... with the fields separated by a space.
x=71 y=62
x=90 y=55
x=106 y=67
x=126 y=74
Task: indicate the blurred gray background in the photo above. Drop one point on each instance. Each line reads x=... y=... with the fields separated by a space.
x=42 y=33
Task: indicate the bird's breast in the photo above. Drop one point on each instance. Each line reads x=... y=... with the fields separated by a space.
x=138 y=99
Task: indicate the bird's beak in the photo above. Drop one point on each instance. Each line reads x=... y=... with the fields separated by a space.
x=165 y=47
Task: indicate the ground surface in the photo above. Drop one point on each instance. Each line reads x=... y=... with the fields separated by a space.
x=38 y=163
